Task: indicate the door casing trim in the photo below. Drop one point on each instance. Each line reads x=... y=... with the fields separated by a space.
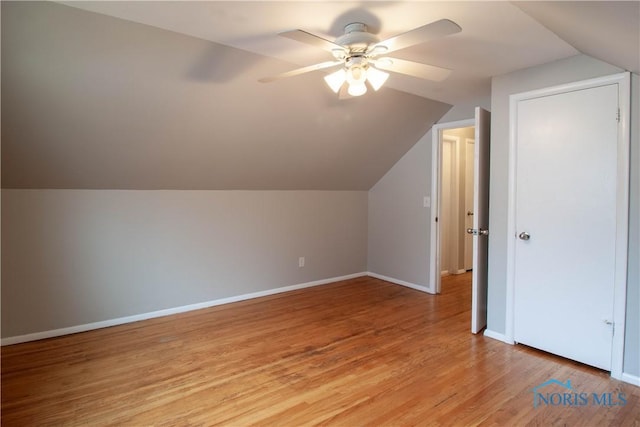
x=622 y=206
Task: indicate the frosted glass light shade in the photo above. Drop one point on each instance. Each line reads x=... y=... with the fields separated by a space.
x=376 y=77
x=357 y=89
x=336 y=80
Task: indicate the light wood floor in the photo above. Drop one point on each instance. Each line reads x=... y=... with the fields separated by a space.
x=359 y=352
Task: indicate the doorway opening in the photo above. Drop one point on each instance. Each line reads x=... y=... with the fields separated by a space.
x=456 y=200
x=451 y=215
x=447 y=189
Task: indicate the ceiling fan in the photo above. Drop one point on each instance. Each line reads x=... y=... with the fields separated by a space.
x=360 y=55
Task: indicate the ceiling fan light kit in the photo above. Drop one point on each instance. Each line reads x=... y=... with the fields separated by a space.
x=357 y=52
x=356 y=77
x=376 y=77
x=336 y=79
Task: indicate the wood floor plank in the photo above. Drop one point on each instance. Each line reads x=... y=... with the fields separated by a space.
x=358 y=352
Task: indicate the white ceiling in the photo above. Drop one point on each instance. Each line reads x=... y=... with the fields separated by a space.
x=609 y=30
x=496 y=38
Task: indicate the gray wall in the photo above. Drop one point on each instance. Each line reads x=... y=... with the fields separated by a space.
x=72 y=257
x=398 y=221
x=576 y=68
x=399 y=234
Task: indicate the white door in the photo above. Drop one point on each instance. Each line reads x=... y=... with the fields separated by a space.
x=480 y=221
x=565 y=217
x=469 y=160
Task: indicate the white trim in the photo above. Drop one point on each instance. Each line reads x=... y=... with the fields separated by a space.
x=631 y=379
x=622 y=206
x=169 y=311
x=497 y=336
x=399 y=282
x=511 y=222
x=436 y=152
x=622 y=226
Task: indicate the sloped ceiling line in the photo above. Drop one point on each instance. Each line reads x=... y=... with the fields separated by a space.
x=101 y=95
x=91 y=101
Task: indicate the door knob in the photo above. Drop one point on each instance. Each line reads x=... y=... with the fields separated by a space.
x=469 y=213
x=524 y=236
x=480 y=232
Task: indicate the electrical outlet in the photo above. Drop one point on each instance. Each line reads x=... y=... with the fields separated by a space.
x=301 y=261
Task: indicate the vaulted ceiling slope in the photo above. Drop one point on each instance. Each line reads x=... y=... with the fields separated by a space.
x=91 y=101
x=606 y=30
x=164 y=95
x=496 y=38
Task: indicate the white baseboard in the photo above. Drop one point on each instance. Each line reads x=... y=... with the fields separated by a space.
x=399 y=282
x=497 y=336
x=631 y=379
x=169 y=311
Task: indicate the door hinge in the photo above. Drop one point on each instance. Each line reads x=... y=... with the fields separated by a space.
x=618 y=116
x=612 y=324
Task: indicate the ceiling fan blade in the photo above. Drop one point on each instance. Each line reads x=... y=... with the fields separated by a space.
x=434 y=30
x=313 y=40
x=302 y=70
x=410 y=68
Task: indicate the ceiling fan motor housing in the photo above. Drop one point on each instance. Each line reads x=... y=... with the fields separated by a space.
x=356 y=38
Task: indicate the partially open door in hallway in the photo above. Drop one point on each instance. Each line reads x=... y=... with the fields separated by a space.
x=480 y=230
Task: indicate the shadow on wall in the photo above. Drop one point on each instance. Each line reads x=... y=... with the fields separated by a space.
x=218 y=63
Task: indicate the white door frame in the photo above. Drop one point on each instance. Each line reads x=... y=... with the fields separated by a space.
x=436 y=159
x=622 y=207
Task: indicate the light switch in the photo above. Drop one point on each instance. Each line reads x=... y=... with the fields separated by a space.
x=427 y=202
